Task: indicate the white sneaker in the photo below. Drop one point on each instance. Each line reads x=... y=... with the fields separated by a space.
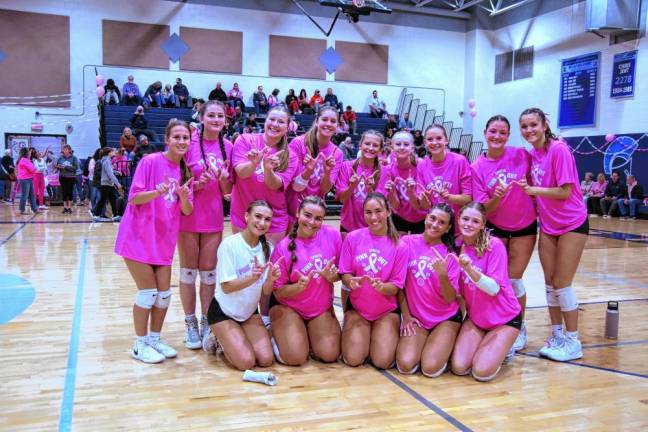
x=162 y=347
x=43 y=207
x=521 y=341
x=509 y=355
x=570 y=349
x=192 y=337
x=555 y=340
x=209 y=342
x=116 y=218
x=204 y=326
x=143 y=352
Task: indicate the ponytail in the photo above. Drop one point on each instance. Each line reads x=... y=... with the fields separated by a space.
x=265 y=246
x=543 y=117
x=392 y=232
x=185 y=173
x=292 y=244
x=377 y=170
x=283 y=144
x=448 y=239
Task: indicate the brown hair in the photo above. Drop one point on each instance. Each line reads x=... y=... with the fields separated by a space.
x=377 y=170
x=392 y=232
x=482 y=243
x=185 y=174
x=448 y=239
x=436 y=126
x=543 y=117
x=221 y=135
x=283 y=144
x=292 y=245
x=262 y=238
x=310 y=138
x=498 y=117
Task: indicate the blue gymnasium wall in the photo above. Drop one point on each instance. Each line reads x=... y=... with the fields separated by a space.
x=627 y=153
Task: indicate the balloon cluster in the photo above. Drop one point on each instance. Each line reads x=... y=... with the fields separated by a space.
x=471 y=105
x=100 y=89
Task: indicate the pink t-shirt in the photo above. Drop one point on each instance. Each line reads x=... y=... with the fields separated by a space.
x=207 y=215
x=555 y=166
x=299 y=149
x=453 y=174
x=486 y=311
x=25 y=169
x=312 y=254
x=422 y=286
x=375 y=256
x=148 y=232
x=516 y=209
x=399 y=177
x=246 y=190
x=352 y=214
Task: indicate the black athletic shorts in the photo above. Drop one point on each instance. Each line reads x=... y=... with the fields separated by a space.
x=215 y=314
x=515 y=322
x=505 y=234
x=583 y=229
x=349 y=307
x=406 y=226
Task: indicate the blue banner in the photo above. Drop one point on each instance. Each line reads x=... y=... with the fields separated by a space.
x=623 y=74
x=578 y=84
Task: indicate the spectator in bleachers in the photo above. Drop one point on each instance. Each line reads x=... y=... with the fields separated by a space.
x=238 y=122
x=292 y=127
x=596 y=194
x=251 y=122
x=586 y=186
x=112 y=95
x=139 y=124
x=218 y=94
x=316 y=101
x=632 y=199
x=377 y=106
x=144 y=148
x=391 y=125
x=131 y=92
x=260 y=101
x=181 y=94
x=342 y=130
x=303 y=101
x=292 y=103
x=127 y=140
x=168 y=98
x=405 y=123
x=195 y=111
x=153 y=95
x=347 y=148
x=614 y=191
x=235 y=96
x=418 y=143
x=350 y=117
x=332 y=100
x=273 y=99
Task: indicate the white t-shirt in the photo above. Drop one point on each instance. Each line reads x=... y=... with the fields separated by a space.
x=235 y=260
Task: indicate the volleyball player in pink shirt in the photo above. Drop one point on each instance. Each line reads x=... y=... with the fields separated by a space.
x=493 y=314
x=564 y=229
x=201 y=232
x=301 y=307
x=319 y=160
x=402 y=184
x=373 y=264
x=431 y=314
x=358 y=179
x=161 y=190
x=445 y=175
x=264 y=169
x=511 y=212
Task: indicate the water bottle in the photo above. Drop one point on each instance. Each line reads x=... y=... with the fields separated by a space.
x=612 y=320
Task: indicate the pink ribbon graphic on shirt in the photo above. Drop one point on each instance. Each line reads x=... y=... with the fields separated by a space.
x=213 y=162
x=361 y=189
x=421 y=268
x=319 y=265
x=170 y=195
x=371 y=266
x=401 y=186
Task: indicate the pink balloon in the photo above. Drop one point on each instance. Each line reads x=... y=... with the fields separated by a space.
x=473 y=113
x=100 y=80
x=471 y=103
x=100 y=91
x=610 y=137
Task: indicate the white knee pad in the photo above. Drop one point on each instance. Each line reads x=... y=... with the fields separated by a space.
x=409 y=372
x=163 y=299
x=188 y=276
x=208 y=277
x=488 y=378
x=145 y=298
x=437 y=373
x=518 y=287
x=552 y=296
x=566 y=299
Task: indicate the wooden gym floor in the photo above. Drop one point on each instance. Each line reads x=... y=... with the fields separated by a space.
x=66 y=331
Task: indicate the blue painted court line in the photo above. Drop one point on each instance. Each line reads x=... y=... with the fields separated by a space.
x=617 y=235
x=634 y=374
x=447 y=417
x=67 y=402
x=615 y=344
x=23 y=224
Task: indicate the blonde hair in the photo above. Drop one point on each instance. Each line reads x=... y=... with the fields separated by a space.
x=482 y=243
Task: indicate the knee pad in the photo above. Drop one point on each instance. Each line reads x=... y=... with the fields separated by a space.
x=518 y=287
x=145 y=298
x=552 y=296
x=345 y=288
x=409 y=372
x=488 y=378
x=163 y=299
x=566 y=299
x=208 y=277
x=437 y=373
x=188 y=276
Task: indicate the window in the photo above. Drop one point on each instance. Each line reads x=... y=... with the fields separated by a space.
x=514 y=65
